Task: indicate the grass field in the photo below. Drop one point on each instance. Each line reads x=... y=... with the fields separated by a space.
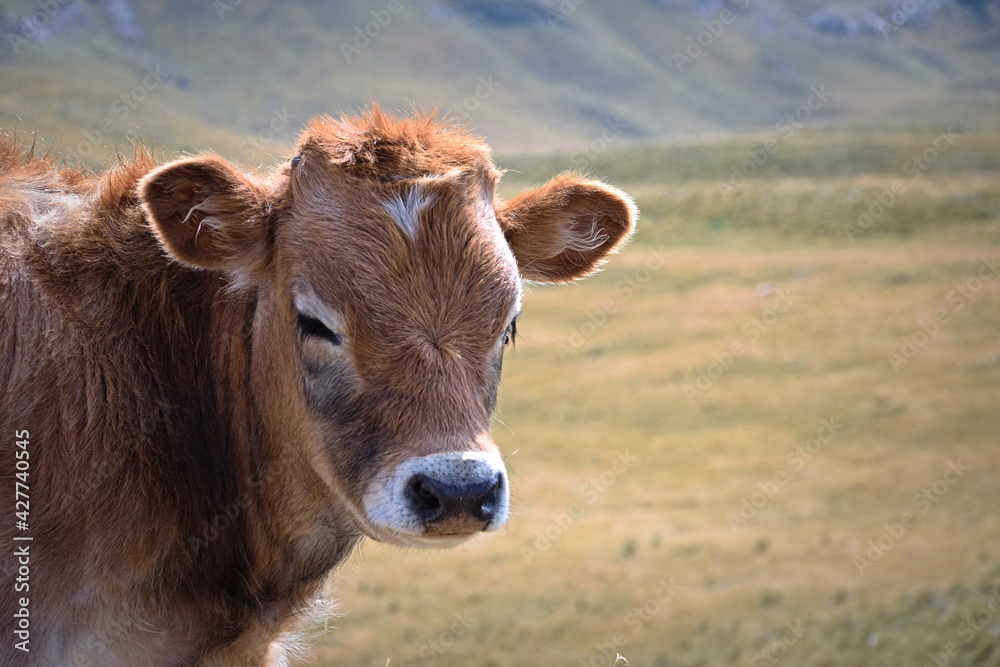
x=759 y=437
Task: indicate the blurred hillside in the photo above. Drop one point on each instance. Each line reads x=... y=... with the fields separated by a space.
x=242 y=76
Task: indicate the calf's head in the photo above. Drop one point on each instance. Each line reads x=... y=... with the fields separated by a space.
x=388 y=282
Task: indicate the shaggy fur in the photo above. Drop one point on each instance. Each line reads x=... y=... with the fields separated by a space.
x=198 y=460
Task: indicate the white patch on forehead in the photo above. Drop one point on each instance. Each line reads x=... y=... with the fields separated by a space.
x=405 y=209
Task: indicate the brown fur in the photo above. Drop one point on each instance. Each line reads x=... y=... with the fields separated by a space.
x=196 y=465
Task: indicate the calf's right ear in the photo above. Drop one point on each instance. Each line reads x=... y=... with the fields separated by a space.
x=207 y=214
x=565 y=229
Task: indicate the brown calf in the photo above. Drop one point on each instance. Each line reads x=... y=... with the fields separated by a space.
x=214 y=383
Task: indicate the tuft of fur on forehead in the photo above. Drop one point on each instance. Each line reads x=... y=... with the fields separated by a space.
x=381 y=147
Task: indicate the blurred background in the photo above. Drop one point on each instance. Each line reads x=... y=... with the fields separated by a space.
x=767 y=434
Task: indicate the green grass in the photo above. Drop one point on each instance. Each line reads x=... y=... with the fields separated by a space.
x=646 y=562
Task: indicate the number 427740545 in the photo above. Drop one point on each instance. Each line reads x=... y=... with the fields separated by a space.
x=21 y=491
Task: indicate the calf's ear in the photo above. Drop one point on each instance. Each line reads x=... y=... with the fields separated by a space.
x=207 y=214
x=565 y=229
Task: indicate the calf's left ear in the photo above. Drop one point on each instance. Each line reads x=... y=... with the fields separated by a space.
x=565 y=229
x=207 y=214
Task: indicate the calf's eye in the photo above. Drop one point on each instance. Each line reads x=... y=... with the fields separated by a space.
x=310 y=326
x=510 y=335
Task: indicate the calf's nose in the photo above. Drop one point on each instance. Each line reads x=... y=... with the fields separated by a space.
x=449 y=505
x=439 y=499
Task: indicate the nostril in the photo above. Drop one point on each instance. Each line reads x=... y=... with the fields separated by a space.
x=424 y=498
x=491 y=500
